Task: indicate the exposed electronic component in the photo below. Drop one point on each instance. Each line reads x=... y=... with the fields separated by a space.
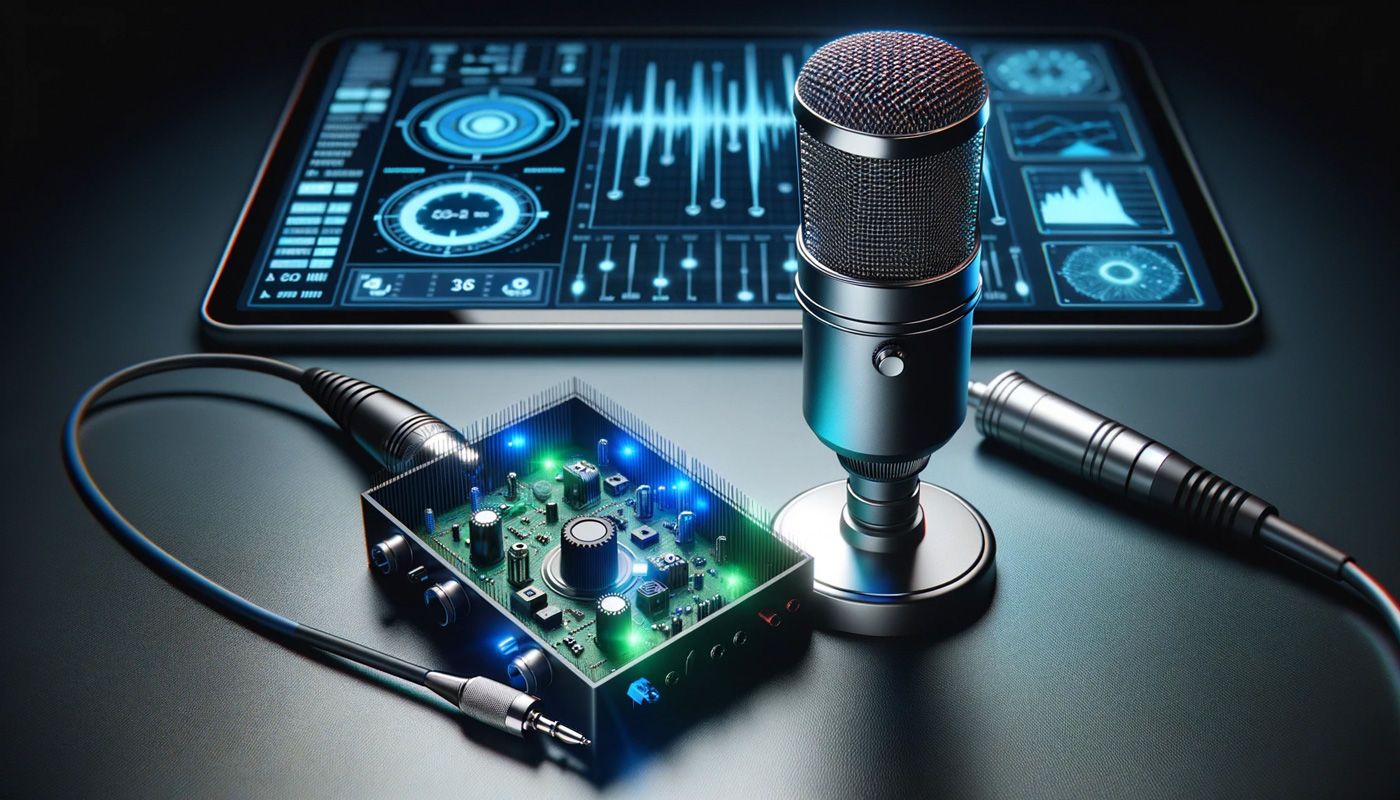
x=614 y=623
x=476 y=499
x=528 y=600
x=588 y=559
x=645 y=537
x=486 y=544
x=669 y=569
x=428 y=524
x=581 y=488
x=707 y=607
x=602 y=452
x=663 y=498
x=617 y=484
x=524 y=585
x=643 y=692
x=651 y=598
x=456 y=532
x=549 y=617
x=644 y=502
x=721 y=549
x=685 y=528
x=512 y=486
x=542 y=490
x=518 y=565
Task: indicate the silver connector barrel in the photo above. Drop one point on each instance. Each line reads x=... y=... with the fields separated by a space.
x=1027 y=417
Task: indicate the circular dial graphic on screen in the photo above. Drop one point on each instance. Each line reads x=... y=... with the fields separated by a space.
x=459 y=214
x=1045 y=72
x=1121 y=274
x=486 y=126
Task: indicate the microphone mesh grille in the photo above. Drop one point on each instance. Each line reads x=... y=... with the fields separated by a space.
x=881 y=219
x=892 y=83
x=890 y=220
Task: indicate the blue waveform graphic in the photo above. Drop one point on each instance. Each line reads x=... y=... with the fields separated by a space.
x=709 y=147
x=1093 y=202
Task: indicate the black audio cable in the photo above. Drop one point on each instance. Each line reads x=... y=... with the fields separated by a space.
x=1029 y=418
x=397 y=433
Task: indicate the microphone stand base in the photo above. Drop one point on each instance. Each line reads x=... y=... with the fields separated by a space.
x=943 y=584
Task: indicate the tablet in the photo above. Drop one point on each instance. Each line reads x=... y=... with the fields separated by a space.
x=607 y=189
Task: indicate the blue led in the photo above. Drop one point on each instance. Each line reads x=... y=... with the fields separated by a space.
x=507 y=645
x=642 y=692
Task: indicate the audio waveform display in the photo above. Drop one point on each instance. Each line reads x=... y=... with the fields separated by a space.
x=704 y=141
x=650 y=175
x=1101 y=199
x=1091 y=203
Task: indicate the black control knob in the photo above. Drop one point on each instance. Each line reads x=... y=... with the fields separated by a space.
x=588 y=553
x=447 y=602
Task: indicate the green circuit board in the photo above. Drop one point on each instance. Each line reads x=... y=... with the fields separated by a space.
x=524 y=520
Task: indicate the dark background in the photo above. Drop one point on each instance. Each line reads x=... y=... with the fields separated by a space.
x=1119 y=657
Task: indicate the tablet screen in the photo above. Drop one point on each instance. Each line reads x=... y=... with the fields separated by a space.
x=655 y=180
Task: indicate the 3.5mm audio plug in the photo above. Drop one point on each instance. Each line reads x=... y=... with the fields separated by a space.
x=503 y=707
x=1033 y=420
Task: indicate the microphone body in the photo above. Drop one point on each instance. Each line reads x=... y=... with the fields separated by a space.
x=889 y=141
x=890 y=137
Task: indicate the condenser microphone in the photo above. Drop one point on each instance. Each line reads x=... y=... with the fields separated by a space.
x=890 y=132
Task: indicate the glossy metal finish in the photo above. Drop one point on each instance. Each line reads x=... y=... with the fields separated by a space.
x=945 y=581
x=873 y=146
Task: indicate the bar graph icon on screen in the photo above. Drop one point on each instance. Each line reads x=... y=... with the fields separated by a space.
x=1096 y=200
x=698 y=138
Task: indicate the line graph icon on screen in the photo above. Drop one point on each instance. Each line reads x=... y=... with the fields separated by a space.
x=1098 y=133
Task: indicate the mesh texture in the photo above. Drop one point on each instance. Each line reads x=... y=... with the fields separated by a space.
x=892 y=83
x=888 y=220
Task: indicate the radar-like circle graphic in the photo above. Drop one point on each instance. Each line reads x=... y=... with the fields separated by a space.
x=486 y=126
x=459 y=214
x=1045 y=72
x=1121 y=274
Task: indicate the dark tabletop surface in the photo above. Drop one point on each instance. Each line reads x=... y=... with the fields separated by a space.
x=1118 y=658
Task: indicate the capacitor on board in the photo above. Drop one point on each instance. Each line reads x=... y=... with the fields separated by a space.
x=486 y=541
x=685 y=528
